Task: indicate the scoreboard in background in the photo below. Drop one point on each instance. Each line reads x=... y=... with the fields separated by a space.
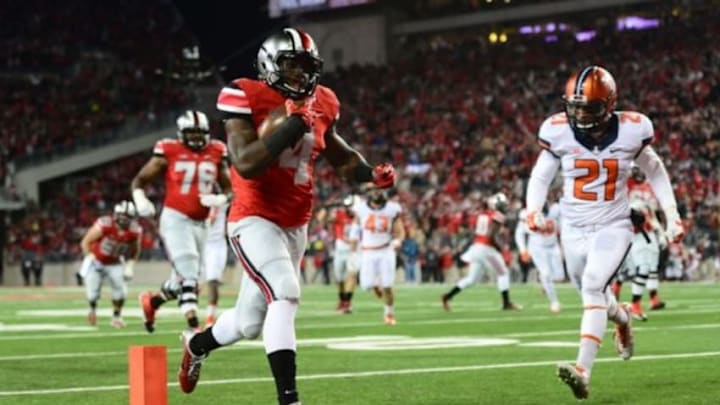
x=278 y=8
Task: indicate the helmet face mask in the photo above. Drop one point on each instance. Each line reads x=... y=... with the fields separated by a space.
x=638 y=174
x=588 y=118
x=194 y=130
x=290 y=63
x=123 y=213
x=378 y=198
x=195 y=139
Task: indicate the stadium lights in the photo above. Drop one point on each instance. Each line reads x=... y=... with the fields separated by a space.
x=493 y=37
x=503 y=38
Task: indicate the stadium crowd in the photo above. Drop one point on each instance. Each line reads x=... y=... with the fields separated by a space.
x=457 y=116
x=76 y=76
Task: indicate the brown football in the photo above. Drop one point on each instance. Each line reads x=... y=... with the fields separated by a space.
x=273 y=120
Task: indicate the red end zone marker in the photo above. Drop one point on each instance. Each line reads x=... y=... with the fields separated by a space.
x=147 y=372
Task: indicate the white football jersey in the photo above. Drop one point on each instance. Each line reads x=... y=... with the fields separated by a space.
x=595 y=177
x=376 y=224
x=546 y=238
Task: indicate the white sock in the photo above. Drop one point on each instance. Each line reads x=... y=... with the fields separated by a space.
x=592 y=328
x=549 y=288
x=503 y=282
x=389 y=309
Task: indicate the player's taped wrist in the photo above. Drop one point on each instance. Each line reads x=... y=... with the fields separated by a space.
x=286 y=135
x=363 y=173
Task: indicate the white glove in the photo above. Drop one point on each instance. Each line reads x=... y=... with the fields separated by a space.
x=675 y=230
x=144 y=207
x=86 y=265
x=536 y=221
x=396 y=244
x=213 y=200
x=129 y=270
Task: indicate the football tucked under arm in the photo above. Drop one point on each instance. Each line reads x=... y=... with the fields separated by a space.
x=275 y=119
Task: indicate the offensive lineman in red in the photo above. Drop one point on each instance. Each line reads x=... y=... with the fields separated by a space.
x=272 y=176
x=192 y=165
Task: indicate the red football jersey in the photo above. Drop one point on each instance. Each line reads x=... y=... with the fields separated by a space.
x=342 y=219
x=190 y=173
x=115 y=242
x=283 y=192
x=483 y=225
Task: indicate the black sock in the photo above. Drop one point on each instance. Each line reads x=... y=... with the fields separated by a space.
x=93 y=305
x=341 y=296
x=348 y=296
x=506 y=298
x=116 y=313
x=203 y=343
x=156 y=301
x=193 y=322
x=653 y=294
x=455 y=291
x=282 y=365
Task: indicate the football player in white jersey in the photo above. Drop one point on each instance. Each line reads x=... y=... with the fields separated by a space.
x=215 y=258
x=593 y=146
x=484 y=254
x=544 y=249
x=382 y=234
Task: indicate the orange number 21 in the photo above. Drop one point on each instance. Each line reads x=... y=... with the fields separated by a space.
x=593 y=172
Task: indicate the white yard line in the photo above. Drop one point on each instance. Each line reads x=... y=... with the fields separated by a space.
x=362 y=374
x=340 y=325
x=314 y=342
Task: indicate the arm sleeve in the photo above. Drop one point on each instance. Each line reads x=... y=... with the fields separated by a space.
x=657 y=176
x=234 y=101
x=520 y=235
x=540 y=179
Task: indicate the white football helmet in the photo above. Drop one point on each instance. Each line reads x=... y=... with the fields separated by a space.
x=124 y=212
x=498 y=202
x=194 y=129
x=290 y=63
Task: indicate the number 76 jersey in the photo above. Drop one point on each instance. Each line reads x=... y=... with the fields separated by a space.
x=190 y=173
x=595 y=174
x=283 y=192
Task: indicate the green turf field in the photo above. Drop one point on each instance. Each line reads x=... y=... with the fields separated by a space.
x=476 y=354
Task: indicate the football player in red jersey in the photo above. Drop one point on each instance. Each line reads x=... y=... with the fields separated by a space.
x=268 y=226
x=192 y=165
x=111 y=241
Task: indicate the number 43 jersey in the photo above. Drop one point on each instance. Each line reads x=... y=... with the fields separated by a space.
x=283 y=192
x=190 y=173
x=595 y=174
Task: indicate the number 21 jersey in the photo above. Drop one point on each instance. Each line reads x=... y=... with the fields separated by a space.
x=595 y=175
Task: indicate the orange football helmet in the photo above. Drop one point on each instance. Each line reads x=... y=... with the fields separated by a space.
x=590 y=97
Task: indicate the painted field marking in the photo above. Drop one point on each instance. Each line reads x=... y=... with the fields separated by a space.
x=363 y=374
x=367 y=339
